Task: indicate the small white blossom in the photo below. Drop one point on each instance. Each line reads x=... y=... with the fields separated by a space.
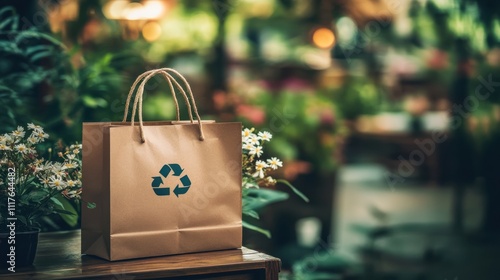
x=247 y=132
x=45 y=181
x=270 y=180
x=19 y=132
x=6 y=139
x=21 y=148
x=247 y=146
x=4 y=147
x=256 y=151
x=73 y=193
x=265 y=136
x=69 y=165
x=40 y=135
x=35 y=127
x=57 y=182
x=260 y=167
x=57 y=169
x=75 y=146
x=253 y=139
x=72 y=183
x=274 y=163
x=33 y=140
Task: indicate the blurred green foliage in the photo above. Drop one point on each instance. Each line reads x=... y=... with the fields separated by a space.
x=305 y=126
x=358 y=96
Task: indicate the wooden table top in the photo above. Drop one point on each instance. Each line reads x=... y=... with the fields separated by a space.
x=59 y=257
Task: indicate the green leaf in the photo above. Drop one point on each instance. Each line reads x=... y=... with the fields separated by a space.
x=67 y=212
x=92 y=102
x=64 y=212
x=36 y=195
x=255 y=199
x=295 y=190
x=256 y=228
x=13 y=18
x=41 y=55
x=22 y=219
x=27 y=34
x=252 y=214
x=57 y=202
x=91 y=205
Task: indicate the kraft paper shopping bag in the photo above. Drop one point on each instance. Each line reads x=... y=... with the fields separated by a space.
x=161 y=188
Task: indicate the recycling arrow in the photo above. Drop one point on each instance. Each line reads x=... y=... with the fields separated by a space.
x=176 y=168
x=176 y=171
x=179 y=191
x=165 y=170
x=185 y=181
x=157 y=181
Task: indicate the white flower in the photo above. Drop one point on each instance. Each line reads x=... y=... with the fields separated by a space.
x=72 y=193
x=265 y=136
x=274 y=163
x=35 y=127
x=256 y=151
x=253 y=140
x=6 y=139
x=19 y=132
x=57 y=182
x=21 y=148
x=40 y=135
x=70 y=156
x=247 y=132
x=247 y=136
x=47 y=166
x=32 y=140
x=247 y=146
x=270 y=180
x=75 y=146
x=69 y=165
x=57 y=169
x=45 y=181
x=260 y=167
x=4 y=147
x=73 y=183
x=37 y=164
x=76 y=151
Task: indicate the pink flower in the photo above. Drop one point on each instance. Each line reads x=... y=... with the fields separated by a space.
x=255 y=115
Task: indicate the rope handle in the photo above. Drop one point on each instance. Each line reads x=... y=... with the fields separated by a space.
x=172 y=81
x=167 y=77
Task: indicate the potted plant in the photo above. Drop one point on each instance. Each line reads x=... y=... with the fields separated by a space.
x=32 y=187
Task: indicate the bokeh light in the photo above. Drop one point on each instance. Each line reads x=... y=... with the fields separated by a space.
x=151 y=31
x=323 y=38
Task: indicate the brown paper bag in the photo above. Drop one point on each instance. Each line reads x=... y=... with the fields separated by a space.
x=161 y=187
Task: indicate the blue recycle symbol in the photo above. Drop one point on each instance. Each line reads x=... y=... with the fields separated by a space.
x=176 y=171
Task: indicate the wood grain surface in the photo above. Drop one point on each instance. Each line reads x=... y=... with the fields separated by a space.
x=59 y=257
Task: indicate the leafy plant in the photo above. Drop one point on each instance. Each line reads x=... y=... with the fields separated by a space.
x=32 y=187
x=257 y=184
x=29 y=60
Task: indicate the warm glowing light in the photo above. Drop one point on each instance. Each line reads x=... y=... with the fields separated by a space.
x=153 y=9
x=323 y=38
x=151 y=31
x=122 y=9
x=114 y=9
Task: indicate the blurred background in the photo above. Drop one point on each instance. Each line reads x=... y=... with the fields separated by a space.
x=386 y=113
